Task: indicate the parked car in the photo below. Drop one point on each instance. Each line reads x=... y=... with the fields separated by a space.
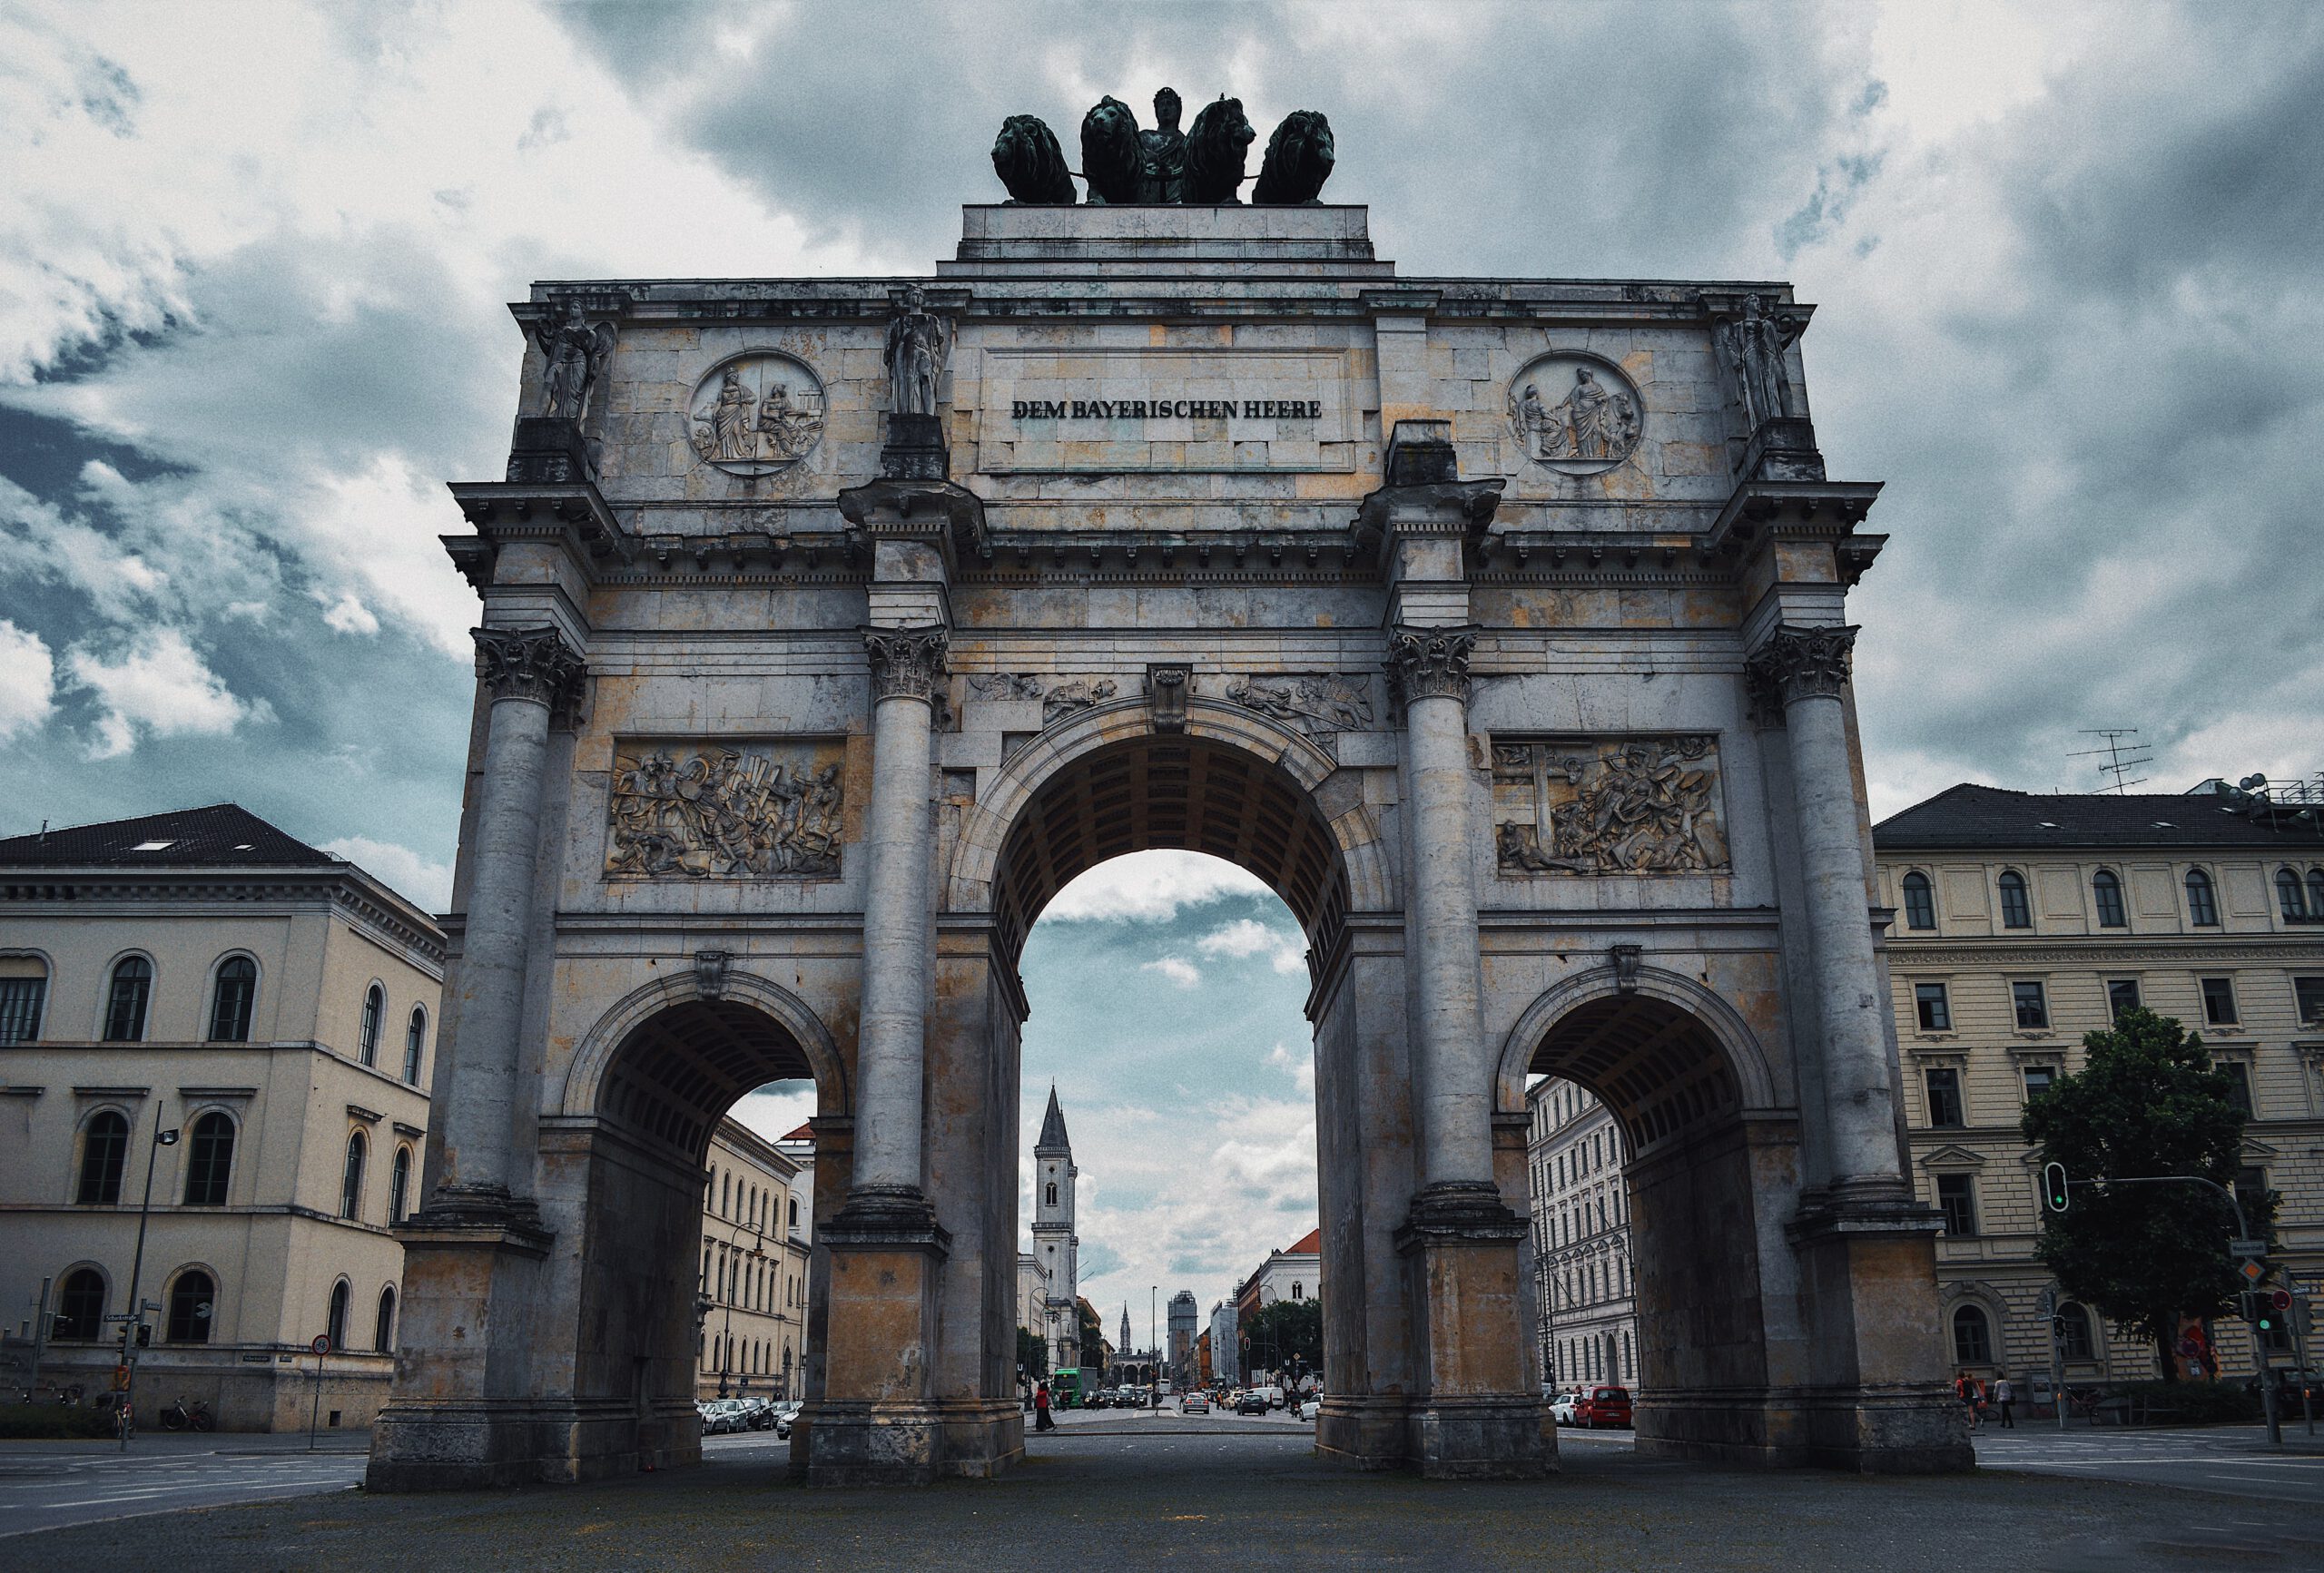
x=758 y=1414
x=1195 y=1403
x=1602 y=1406
x=1252 y=1402
x=1561 y=1408
x=786 y=1414
x=1310 y=1406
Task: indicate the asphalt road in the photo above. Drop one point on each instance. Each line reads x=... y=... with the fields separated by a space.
x=49 y=1485
x=2234 y=1461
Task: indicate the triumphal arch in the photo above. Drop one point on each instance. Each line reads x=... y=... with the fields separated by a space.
x=832 y=625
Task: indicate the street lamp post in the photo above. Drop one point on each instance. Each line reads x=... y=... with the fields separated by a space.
x=135 y=1313
x=1154 y=1341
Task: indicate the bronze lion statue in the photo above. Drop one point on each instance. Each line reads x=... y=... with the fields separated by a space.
x=1298 y=161
x=1215 y=145
x=1026 y=157
x=1112 y=162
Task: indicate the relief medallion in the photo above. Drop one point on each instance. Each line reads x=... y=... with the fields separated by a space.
x=757 y=413
x=1575 y=413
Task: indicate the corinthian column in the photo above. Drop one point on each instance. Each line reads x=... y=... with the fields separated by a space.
x=1431 y=667
x=906 y=663
x=1807 y=669
x=526 y=671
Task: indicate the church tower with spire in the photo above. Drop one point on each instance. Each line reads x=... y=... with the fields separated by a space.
x=1055 y=1244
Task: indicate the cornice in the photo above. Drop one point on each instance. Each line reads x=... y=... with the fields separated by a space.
x=64 y=890
x=1906 y=953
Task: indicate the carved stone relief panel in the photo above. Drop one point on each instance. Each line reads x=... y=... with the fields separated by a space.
x=1578 y=806
x=1060 y=697
x=1575 y=413
x=1318 y=704
x=757 y=413
x=733 y=810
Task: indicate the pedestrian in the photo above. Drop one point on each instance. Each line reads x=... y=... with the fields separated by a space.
x=1965 y=1388
x=1042 y=1422
x=2005 y=1395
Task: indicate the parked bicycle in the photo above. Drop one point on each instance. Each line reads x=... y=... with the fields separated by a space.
x=178 y=1418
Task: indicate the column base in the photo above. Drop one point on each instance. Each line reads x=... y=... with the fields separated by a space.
x=1495 y=1437
x=1362 y=1433
x=907 y=1444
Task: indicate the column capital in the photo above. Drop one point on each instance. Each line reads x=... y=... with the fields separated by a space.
x=1797 y=664
x=907 y=663
x=1431 y=663
x=529 y=664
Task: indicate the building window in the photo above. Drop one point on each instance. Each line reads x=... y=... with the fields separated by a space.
x=415 y=1039
x=2218 y=1001
x=192 y=1298
x=1944 y=1097
x=1929 y=1003
x=1299 y=1290
x=210 y=1159
x=2033 y=1003
x=2121 y=994
x=2108 y=892
x=2075 y=1341
x=383 y=1330
x=2288 y=895
x=375 y=1010
x=399 y=1187
x=2202 y=902
x=2239 y=1084
x=337 y=1328
x=350 y=1180
x=2316 y=893
x=1053 y=1195
x=2251 y=1191
x=2307 y=996
x=794 y=1212
x=231 y=999
x=1956 y=1198
x=81 y=1307
x=132 y=986
x=104 y=1153
x=2017 y=910
x=1920 y=902
x=22 y=993
x=1972 y=1338
x=2038 y=1078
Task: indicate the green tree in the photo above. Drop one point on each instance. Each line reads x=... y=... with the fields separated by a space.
x=1032 y=1354
x=1093 y=1339
x=1285 y=1330
x=2147 y=1102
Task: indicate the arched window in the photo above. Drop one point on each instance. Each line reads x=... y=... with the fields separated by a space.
x=132 y=986
x=383 y=1331
x=2316 y=892
x=1053 y=1195
x=337 y=1327
x=399 y=1185
x=2108 y=892
x=104 y=1153
x=1920 y=902
x=350 y=1180
x=192 y=1299
x=81 y=1306
x=24 y=988
x=375 y=1010
x=2075 y=1341
x=2202 y=902
x=415 y=1039
x=2016 y=911
x=2288 y=895
x=794 y=1212
x=210 y=1160
x=1972 y=1338
x=232 y=997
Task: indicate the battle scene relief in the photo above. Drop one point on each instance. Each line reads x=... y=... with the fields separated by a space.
x=1600 y=806
x=745 y=812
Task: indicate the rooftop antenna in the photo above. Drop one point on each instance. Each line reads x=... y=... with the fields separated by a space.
x=2122 y=758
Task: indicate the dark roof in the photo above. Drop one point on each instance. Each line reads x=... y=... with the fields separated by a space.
x=1053 y=1136
x=222 y=836
x=1981 y=816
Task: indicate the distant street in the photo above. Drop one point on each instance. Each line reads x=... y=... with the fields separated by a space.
x=2235 y=1461
x=49 y=1485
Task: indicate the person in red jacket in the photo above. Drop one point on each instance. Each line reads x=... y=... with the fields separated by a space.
x=1042 y=1422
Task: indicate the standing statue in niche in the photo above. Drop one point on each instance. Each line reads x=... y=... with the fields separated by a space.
x=918 y=341
x=1756 y=346
x=1215 y=148
x=1163 y=177
x=576 y=354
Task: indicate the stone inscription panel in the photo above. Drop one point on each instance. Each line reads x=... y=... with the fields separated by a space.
x=1584 y=805
x=742 y=810
x=1118 y=409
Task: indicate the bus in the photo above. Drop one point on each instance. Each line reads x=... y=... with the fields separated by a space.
x=1065 y=1387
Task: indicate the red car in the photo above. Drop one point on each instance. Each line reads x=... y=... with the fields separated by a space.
x=1602 y=1406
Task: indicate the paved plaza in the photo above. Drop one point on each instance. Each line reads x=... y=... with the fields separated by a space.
x=1135 y=1492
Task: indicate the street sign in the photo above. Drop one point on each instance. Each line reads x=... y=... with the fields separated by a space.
x=2280 y=1299
x=321 y=1345
x=2247 y=1249
x=2253 y=1271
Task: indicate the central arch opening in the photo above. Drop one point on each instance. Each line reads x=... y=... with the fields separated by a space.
x=1171 y=903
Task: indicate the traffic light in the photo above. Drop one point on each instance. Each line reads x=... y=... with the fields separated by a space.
x=144 y=1335
x=2053 y=1187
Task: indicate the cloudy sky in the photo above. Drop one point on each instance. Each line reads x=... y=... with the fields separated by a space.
x=254 y=261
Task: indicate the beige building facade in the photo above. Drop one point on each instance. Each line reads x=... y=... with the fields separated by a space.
x=757 y=1229
x=1582 y=1237
x=2023 y=922
x=202 y=972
